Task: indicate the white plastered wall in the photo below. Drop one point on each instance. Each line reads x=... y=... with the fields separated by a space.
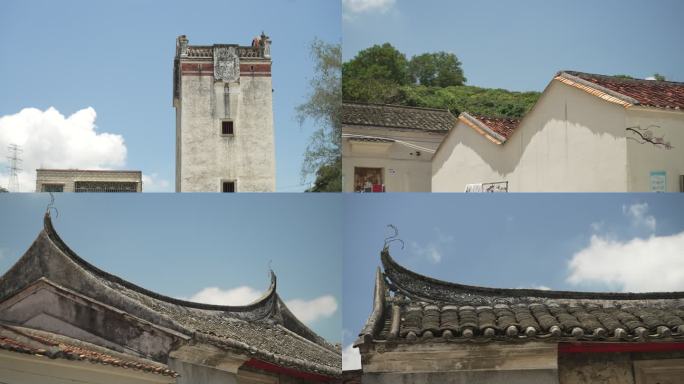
x=569 y=142
x=645 y=158
x=403 y=171
x=205 y=156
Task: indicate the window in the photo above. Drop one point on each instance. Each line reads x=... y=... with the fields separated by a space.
x=228 y=186
x=368 y=180
x=52 y=188
x=226 y=127
x=106 y=186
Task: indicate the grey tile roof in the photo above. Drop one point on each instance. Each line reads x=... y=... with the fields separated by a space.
x=413 y=308
x=397 y=116
x=265 y=330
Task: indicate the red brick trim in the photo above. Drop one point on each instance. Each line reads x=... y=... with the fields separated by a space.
x=206 y=69
x=254 y=363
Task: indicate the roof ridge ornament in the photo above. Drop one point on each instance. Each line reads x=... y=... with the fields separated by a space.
x=392 y=237
x=51 y=205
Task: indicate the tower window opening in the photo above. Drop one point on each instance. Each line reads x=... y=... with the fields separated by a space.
x=227 y=128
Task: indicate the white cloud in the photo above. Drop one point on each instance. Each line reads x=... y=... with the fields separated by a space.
x=51 y=140
x=153 y=183
x=433 y=250
x=597 y=226
x=308 y=311
x=235 y=296
x=429 y=252
x=637 y=213
x=351 y=358
x=650 y=78
x=636 y=265
x=362 y=6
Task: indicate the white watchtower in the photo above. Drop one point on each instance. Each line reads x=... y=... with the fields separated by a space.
x=224 y=117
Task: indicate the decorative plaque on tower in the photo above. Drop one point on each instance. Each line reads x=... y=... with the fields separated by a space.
x=226 y=64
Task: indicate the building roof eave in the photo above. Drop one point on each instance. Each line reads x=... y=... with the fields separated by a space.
x=250 y=325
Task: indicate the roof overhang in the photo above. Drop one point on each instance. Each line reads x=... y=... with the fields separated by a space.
x=60 y=272
x=481 y=128
x=417 y=310
x=596 y=90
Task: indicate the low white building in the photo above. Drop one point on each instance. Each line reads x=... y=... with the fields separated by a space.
x=88 y=180
x=587 y=133
x=388 y=148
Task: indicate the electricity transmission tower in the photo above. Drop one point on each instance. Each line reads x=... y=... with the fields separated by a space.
x=14 y=157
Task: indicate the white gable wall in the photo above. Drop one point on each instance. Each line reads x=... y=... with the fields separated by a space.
x=569 y=141
x=643 y=159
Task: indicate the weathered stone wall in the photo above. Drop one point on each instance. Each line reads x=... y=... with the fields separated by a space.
x=191 y=374
x=447 y=363
x=205 y=157
x=469 y=377
x=619 y=368
x=613 y=368
x=195 y=373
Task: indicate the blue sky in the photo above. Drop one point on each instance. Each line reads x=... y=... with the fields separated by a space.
x=519 y=45
x=117 y=57
x=598 y=242
x=181 y=244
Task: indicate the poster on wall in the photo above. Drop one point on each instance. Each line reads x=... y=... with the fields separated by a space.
x=658 y=181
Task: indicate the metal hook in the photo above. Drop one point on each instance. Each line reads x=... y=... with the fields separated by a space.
x=393 y=237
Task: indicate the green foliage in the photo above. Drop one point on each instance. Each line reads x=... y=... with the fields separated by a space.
x=659 y=77
x=439 y=69
x=474 y=100
x=374 y=74
x=623 y=76
x=379 y=62
x=381 y=74
x=323 y=108
x=328 y=178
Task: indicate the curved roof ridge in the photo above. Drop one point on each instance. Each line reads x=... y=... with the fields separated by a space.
x=52 y=234
x=428 y=287
x=302 y=330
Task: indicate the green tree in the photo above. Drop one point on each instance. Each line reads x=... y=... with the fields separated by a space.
x=328 y=178
x=379 y=62
x=374 y=74
x=659 y=77
x=322 y=156
x=381 y=74
x=438 y=69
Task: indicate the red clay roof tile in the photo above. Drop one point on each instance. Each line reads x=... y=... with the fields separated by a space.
x=651 y=93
